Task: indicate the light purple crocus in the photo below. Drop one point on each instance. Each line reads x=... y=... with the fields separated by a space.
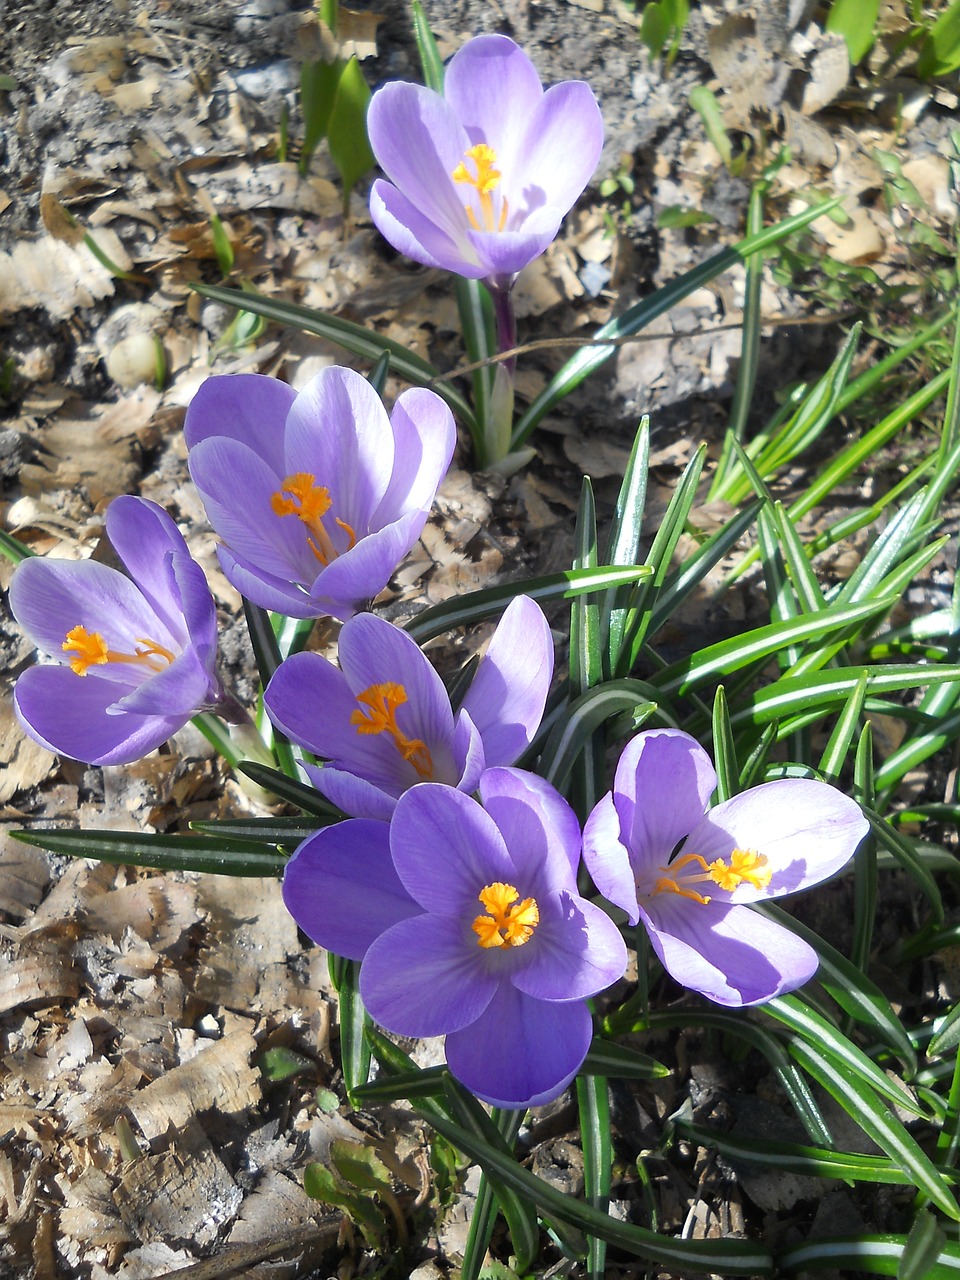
x=134 y=656
x=469 y=925
x=689 y=873
x=317 y=495
x=481 y=176
x=384 y=721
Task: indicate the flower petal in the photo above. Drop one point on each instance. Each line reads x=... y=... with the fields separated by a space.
x=425 y=436
x=729 y=954
x=266 y=589
x=494 y=90
x=521 y=1052
x=246 y=407
x=309 y=699
x=560 y=150
x=608 y=859
x=338 y=432
x=341 y=888
x=236 y=486
x=179 y=690
x=418 y=142
x=421 y=978
x=806 y=829
x=507 y=695
x=50 y=597
x=353 y=795
x=446 y=849
x=468 y=748
x=414 y=234
x=373 y=651
x=71 y=715
x=538 y=827
x=663 y=782
x=143 y=536
x=348 y=583
x=576 y=950
x=504 y=253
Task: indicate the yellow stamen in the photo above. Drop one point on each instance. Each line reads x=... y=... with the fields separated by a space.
x=486 y=179
x=92 y=650
x=505 y=925
x=310 y=502
x=743 y=865
x=381 y=702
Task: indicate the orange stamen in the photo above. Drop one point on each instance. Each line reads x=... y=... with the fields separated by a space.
x=505 y=925
x=380 y=716
x=91 y=650
x=742 y=865
x=486 y=180
x=310 y=502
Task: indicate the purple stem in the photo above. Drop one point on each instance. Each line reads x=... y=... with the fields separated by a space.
x=506 y=321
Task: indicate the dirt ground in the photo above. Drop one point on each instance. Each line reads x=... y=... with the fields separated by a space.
x=146 y=1118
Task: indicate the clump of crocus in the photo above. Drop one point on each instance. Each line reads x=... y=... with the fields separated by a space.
x=134 y=656
x=688 y=872
x=481 y=176
x=317 y=495
x=469 y=925
x=384 y=721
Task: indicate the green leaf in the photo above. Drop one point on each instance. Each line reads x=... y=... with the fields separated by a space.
x=855 y=20
x=940 y=51
x=729 y=1257
x=356 y=338
x=347 y=128
x=875 y=1255
x=807 y=1162
x=607 y=1058
x=166 y=853
x=13 y=549
x=896 y=843
x=593 y=1104
x=281 y=832
x=705 y=103
x=355 y=1048
x=626 y=531
x=475 y=606
x=318 y=88
x=588 y=359
x=359 y=1165
x=924 y=1245
x=280 y=1063
x=430 y=60
x=584 y=716
x=299 y=793
x=826 y=689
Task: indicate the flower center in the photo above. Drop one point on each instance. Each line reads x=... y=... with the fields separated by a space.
x=91 y=650
x=378 y=714
x=486 y=179
x=742 y=865
x=310 y=502
x=505 y=925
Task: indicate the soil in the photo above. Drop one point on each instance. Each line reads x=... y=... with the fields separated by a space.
x=144 y=1124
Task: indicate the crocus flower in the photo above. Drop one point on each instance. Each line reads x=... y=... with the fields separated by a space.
x=481 y=176
x=654 y=849
x=135 y=656
x=469 y=925
x=383 y=718
x=317 y=495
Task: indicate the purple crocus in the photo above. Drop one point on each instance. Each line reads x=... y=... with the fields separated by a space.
x=317 y=495
x=481 y=176
x=654 y=849
x=469 y=925
x=383 y=718
x=135 y=656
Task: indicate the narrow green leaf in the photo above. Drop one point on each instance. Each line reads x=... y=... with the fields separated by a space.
x=283 y=833
x=347 y=127
x=584 y=716
x=623 y=544
x=607 y=1058
x=940 y=51
x=808 y=1162
x=475 y=606
x=729 y=1257
x=430 y=60
x=837 y=750
x=355 y=1051
x=594 y=1108
x=361 y=341
x=825 y=689
x=166 y=853
x=318 y=87
x=855 y=20
x=896 y=843
x=724 y=749
x=13 y=549
x=285 y=788
x=875 y=1255
x=639 y=316
x=810 y=1028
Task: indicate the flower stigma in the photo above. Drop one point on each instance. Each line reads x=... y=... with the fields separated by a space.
x=91 y=650
x=505 y=925
x=310 y=502
x=487 y=178
x=378 y=714
x=744 y=865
